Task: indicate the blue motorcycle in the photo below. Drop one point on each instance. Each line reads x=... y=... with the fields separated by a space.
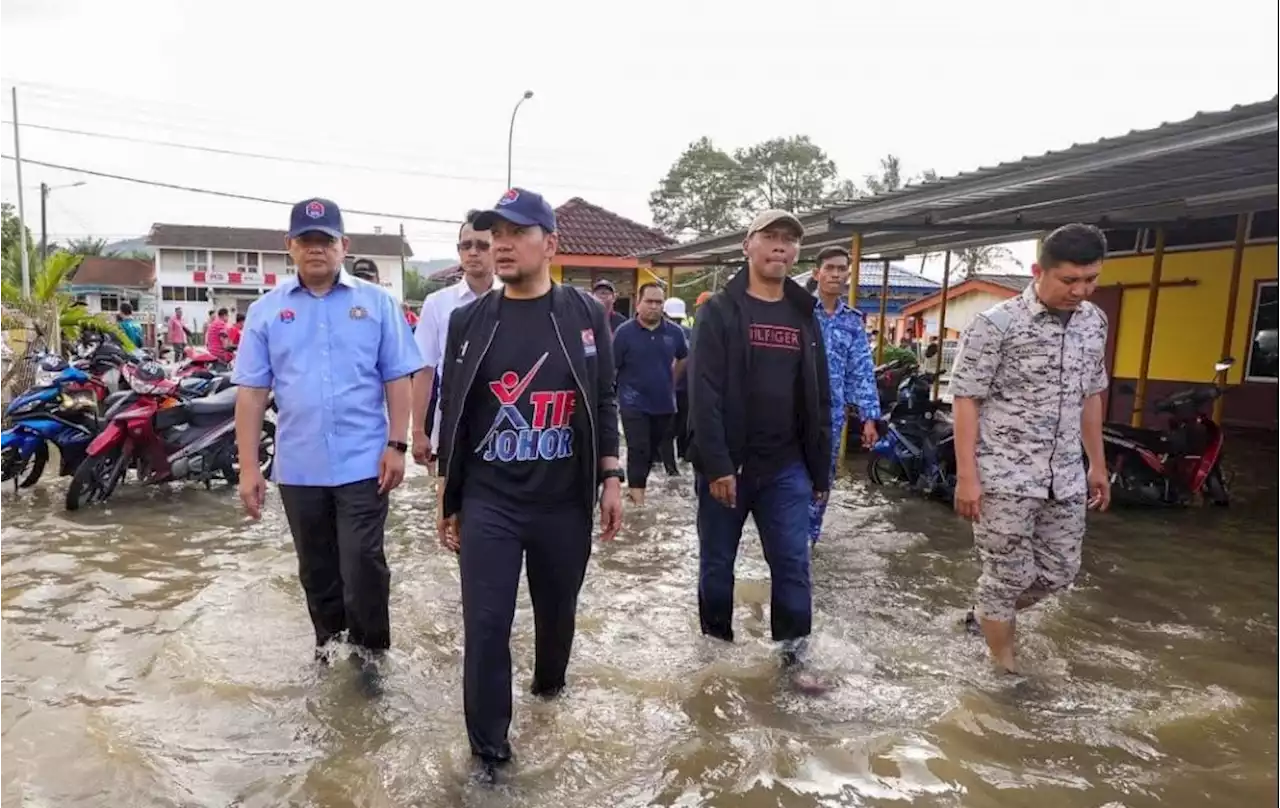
x=917 y=445
x=62 y=410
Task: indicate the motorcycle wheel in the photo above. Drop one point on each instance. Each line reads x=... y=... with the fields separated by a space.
x=96 y=479
x=1216 y=487
x=883 y=471
x=266 y=455
x=35 y=467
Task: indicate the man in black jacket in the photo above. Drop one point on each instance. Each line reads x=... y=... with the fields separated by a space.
x=761 y=431
x=529 y=433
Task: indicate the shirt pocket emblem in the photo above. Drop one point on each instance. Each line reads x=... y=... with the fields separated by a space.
x=358 y=313
x=588 y=342
x=287 y=316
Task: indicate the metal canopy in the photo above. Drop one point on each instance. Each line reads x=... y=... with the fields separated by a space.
x=1215 y=163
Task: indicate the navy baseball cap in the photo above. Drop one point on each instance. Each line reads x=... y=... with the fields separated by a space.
x=520 y=207
x=315 y=216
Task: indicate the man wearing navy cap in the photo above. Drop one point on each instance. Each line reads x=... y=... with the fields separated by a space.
x=529 y=434
x=338 y=354
x=604 y=291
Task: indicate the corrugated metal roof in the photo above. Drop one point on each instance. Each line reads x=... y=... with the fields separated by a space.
x=1213 y=163
x=872 y=276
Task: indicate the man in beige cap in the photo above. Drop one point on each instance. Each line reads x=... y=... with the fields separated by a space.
x=760 y=412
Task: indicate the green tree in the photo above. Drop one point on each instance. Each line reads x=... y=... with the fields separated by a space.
x=11 y=247
x=890 y=177
x=415 y=286
x=702 y=193
x=971 y=261
x=87 y=246
x=790 y=173
x=51 y=311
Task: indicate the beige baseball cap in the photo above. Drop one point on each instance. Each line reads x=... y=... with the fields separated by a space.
x=772 y=217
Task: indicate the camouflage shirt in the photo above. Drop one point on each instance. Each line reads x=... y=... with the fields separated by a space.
x=1030 y=372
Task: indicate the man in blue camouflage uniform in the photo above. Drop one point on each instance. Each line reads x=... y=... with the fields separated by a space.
x=849 y=363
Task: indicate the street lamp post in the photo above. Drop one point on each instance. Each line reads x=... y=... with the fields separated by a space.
x=44 y=220
x=512 y=131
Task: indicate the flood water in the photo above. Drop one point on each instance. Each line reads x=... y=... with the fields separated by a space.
x=158 y=653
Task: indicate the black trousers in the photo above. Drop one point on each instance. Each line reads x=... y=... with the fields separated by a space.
x=495 y=538
x=338 y=533
x=679 y=431
x=645 y=441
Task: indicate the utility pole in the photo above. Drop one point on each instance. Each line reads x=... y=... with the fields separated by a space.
x=402 y=267
x=22 y=218
x=44 y=223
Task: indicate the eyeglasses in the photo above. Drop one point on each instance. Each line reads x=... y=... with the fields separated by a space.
x=478 y=245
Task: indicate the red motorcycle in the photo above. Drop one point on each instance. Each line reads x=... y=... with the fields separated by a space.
x=201 y=361
x=1178 y=465
x=166 y=437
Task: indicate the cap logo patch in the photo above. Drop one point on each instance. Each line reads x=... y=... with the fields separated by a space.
x=510 y=196
x=315 y=210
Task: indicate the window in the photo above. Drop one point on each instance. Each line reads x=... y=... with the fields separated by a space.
x=1121 y=241
x=196 y=260
x=1263 y=350
x=247 y=262
x=187 y=294
x=290 y=268
x=1263 y=226
x=109 y=301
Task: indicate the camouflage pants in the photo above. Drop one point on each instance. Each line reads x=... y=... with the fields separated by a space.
x=1030 y=548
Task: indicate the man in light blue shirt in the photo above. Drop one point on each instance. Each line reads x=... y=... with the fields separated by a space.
x=338 y=355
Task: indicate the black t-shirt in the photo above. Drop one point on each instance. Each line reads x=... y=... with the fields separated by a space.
x=773 y=429
x=519 y=428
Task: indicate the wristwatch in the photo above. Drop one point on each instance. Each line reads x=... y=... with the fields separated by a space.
x=399 y=446
x=618 y=474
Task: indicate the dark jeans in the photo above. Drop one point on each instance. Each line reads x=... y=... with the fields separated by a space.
x=337 y=533
x=780 y=506
x=645 y=435
x=495 y=539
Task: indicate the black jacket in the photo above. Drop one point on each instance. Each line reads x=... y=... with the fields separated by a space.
x=719 y=367
x=471 y=331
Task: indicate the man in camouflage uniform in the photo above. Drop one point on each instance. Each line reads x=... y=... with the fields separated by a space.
x=1028 y=382
x=849 y=364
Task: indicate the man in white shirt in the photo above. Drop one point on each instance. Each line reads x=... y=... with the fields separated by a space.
x=476 y=259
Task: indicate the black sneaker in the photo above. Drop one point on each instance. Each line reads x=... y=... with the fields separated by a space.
x=546 y=693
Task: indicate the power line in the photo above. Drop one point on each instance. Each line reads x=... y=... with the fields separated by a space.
x=255 y=155
x=195 y=120
x=226 y=194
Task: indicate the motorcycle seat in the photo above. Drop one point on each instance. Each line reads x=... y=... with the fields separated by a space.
x=1150 y=438
x=221 y=403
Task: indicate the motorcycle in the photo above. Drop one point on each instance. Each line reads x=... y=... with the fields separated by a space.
x=889 y=376
x=917 y=445
x=62 y=411
x=200 y=360
x=1176 y=465
x=166 y=437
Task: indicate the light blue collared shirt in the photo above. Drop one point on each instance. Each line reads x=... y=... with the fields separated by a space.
x=327 y=359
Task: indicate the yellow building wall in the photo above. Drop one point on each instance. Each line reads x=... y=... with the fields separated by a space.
x=1189 y=319
x=557 y=274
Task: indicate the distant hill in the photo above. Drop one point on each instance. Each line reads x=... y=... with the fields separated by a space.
x=131 y=245
x=425 y=268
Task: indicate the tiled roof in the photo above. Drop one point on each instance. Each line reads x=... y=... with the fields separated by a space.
x=587 y=229
x=100 y=271
x=1015 y=282
x=253 y=238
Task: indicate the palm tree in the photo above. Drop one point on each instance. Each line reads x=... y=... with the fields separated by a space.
x=51 y=310
x=87 y=246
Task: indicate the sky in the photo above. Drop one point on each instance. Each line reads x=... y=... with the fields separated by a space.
x=403 y=108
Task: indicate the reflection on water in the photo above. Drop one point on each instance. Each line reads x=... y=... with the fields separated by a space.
x=158 y=653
